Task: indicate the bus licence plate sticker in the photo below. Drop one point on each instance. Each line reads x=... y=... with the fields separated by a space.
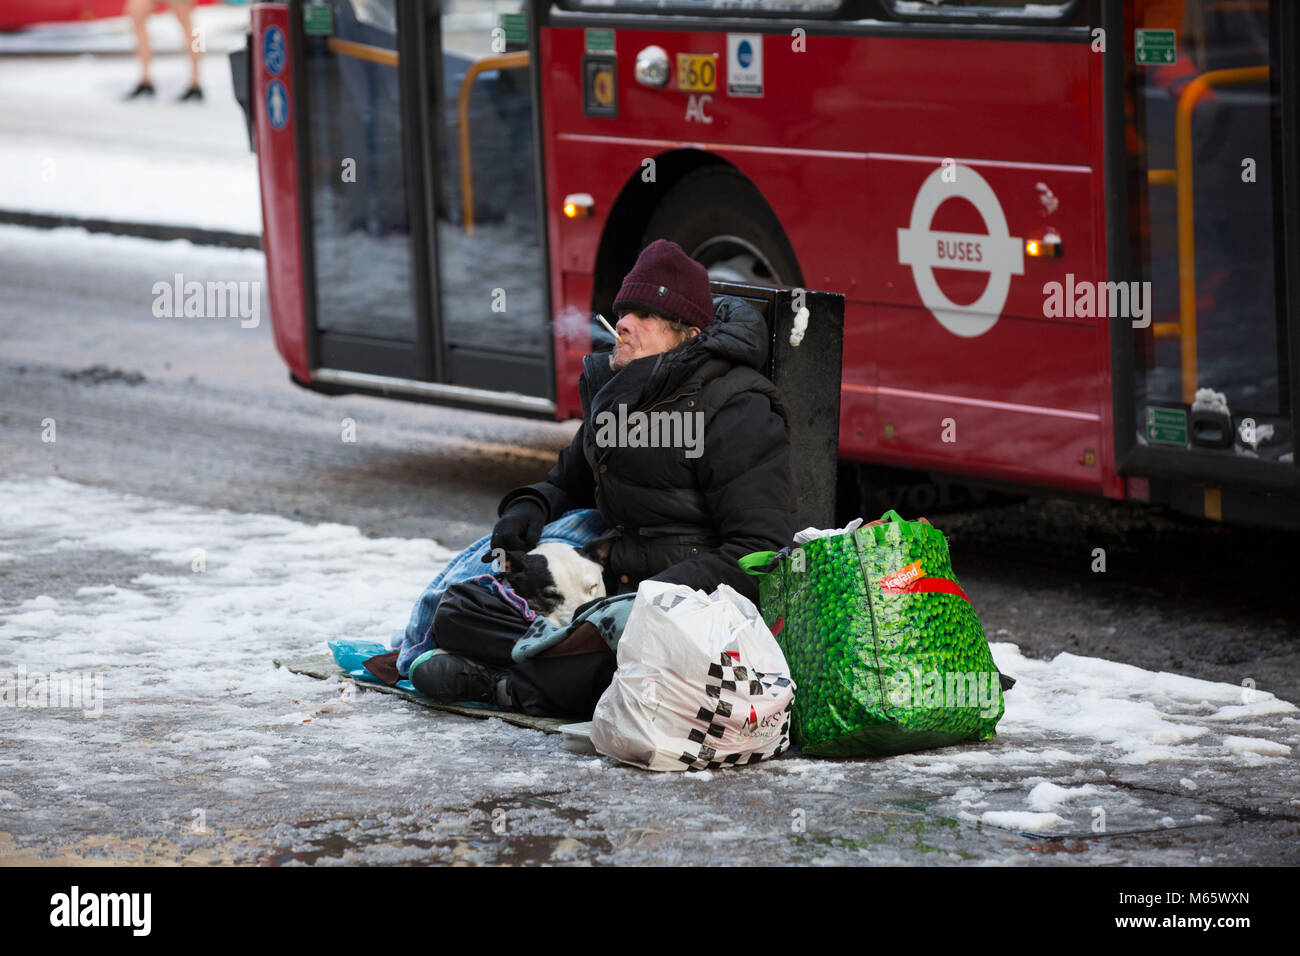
x=744 y=64
x=515 y=27
x=598 y=41
x=1156 y=47
x=317 y=19
x=600 y=85
x=697 y=72
x=1167 y=426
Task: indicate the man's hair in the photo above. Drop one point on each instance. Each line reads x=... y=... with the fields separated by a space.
x=679 y=328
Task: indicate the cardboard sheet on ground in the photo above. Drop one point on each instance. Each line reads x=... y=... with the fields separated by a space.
x=327 y=667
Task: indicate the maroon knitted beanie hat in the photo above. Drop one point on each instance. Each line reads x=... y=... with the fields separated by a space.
x=666 y=281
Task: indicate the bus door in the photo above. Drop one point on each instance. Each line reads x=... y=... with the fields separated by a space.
x=1204 y=387
x=425 y=262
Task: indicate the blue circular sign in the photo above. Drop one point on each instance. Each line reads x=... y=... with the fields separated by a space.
x=744 y=54
x=273 y=50
x=277 y=104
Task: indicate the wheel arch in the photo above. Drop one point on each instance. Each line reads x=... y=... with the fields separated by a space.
x=620 y=240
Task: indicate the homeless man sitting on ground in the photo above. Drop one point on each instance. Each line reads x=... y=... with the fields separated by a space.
x=683 y=515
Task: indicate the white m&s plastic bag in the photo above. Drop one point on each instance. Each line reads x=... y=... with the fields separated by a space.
x=701 y=683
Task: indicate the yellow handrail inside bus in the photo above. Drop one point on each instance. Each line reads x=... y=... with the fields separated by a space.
x=1181 y=176
x=505 y=61
x=362 y=51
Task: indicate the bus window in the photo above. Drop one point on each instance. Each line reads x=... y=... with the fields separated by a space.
x=707 y=6
x=357 y=180
x=492 y=289
x=1018 y=8
x=1203 y=153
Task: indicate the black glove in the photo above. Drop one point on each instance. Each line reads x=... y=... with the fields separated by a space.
x=520 y=528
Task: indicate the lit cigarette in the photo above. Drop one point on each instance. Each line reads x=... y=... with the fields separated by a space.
x=609 y=328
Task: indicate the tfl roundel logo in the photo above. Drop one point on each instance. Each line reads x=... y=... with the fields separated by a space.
x=998 y=253
x=273 y=50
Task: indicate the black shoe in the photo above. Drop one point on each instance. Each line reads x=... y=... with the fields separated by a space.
x=193 y=93
x=448 y=678
x=141 y=89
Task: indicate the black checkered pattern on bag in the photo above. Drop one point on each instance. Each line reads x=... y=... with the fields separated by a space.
x=727 y=676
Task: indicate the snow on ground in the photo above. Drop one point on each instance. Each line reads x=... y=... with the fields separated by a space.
x=1028 y=822
x=241 y=589
x=1045 y=796
x=184 y=650
x=70 y=145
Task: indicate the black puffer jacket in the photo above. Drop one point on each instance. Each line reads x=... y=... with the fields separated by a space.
x=686 y=514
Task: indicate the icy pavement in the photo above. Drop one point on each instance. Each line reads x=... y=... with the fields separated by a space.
x=69 y=144
x=198 y=749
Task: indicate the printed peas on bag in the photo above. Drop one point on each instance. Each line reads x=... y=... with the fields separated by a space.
x=883 y=642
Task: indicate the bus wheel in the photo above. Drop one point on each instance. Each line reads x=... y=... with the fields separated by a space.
x=724 y=223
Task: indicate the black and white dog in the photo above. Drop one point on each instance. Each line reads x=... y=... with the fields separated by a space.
x=556 y=579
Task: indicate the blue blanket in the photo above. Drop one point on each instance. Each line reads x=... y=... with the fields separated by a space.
x=576 y=527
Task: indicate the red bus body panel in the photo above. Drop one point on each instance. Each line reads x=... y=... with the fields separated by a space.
x=277 y=166
x=864 y=120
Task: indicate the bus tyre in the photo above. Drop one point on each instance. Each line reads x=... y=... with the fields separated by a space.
x=723 y=222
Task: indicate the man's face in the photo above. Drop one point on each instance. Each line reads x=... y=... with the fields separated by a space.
x=643 y=333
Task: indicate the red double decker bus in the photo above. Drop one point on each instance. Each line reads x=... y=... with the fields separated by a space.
x=1067 y=233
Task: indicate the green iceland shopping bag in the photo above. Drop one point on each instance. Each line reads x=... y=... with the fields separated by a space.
x=881 y=640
